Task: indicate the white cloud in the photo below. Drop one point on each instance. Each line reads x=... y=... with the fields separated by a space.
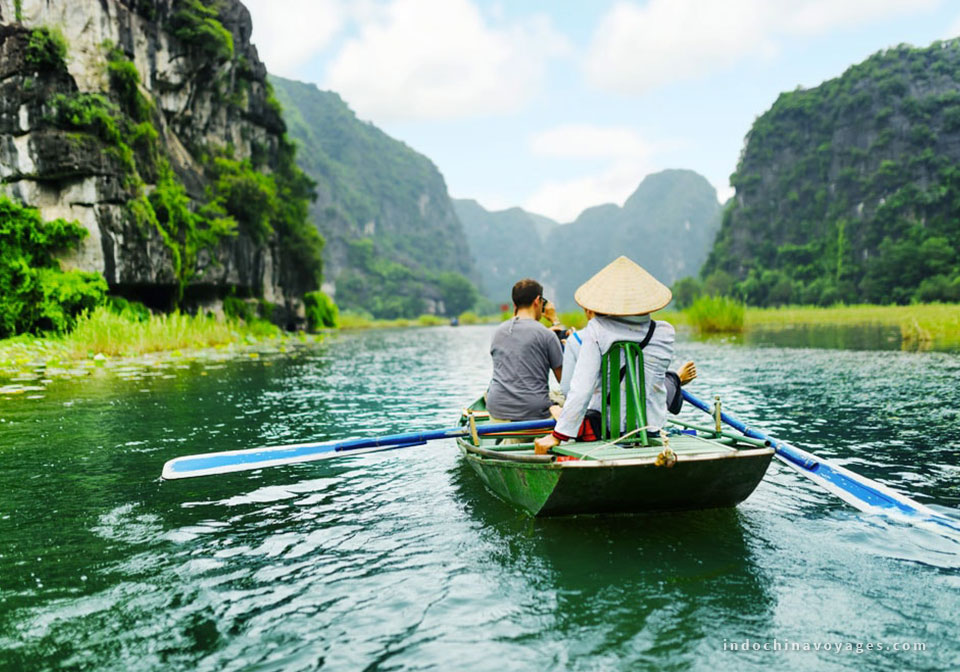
x=636 y=48
x=564 y=200
x=435 y=59
x=588 y=141
x=289 y=33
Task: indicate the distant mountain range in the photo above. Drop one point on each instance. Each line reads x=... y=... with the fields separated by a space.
x=395 y=247
x=667 y=226
x=507 y=245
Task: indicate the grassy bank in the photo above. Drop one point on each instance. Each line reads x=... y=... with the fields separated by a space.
x=920 y=324
x=351 y=320
x=105 y=335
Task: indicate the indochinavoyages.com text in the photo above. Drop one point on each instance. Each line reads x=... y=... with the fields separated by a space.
x=828 y=646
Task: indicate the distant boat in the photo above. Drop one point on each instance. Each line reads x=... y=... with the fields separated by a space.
x=685 y=469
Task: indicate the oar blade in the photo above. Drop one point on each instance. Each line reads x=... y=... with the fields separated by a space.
x=854 y=489
x=191 y=466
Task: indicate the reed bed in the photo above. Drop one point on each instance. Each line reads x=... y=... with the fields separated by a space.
x=716 y=315
x=107 y=333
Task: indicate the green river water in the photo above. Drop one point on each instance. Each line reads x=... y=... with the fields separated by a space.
x=403 y=561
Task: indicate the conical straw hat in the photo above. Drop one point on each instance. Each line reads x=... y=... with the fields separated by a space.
x=623 y=288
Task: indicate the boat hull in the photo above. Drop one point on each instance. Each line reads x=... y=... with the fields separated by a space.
x=623 y=486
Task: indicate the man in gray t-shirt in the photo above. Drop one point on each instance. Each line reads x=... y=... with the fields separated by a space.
x=523 y=352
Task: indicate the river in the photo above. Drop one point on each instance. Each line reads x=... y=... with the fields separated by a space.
x=403 y=561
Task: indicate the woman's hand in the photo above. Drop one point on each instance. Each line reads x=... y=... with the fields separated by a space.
x=543 y=445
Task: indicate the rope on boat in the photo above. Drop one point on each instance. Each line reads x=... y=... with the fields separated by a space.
x=588 y=453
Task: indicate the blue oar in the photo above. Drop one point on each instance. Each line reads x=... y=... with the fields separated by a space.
x=852 y=488
x=208 y=464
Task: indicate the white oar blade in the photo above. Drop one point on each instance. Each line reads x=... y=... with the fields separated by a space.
x=192 y=466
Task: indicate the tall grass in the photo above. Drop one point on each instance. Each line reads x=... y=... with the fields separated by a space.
x=716 y=314
x=108 y=333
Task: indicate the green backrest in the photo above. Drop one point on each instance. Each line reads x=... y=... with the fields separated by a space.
x=626 y=356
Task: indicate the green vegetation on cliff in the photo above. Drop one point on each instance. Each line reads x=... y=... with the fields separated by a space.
x=35 y=294
x=46 y=49
x=197 y=23
x=238 y=195
x=850 y=191
x=168 y=201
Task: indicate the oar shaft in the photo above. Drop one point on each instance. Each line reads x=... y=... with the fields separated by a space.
x=450 y=433
x=784 y=450
x=205 y=464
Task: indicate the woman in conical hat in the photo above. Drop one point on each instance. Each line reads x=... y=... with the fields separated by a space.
x=622 y=296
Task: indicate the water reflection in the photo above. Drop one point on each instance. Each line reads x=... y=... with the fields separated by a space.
x=826 y=336
x=669 y=579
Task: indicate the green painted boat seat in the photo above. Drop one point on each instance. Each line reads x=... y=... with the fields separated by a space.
x=622 y=385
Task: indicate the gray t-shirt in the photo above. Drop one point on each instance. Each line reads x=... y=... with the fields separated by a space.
x=523 y=353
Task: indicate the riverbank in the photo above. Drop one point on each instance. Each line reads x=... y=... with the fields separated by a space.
x=922 y=326
x=107 y=340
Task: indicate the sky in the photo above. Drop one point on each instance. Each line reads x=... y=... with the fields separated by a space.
x=557 y=105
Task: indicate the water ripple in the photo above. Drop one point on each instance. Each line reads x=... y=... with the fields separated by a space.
x=403 y=560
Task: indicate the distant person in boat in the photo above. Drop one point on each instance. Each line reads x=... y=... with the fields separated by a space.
x=621 y=297
x=524 y=352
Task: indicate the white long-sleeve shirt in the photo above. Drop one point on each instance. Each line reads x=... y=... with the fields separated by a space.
x=597 y=337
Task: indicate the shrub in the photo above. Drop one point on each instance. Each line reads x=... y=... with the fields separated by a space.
x=428 y=320
x=90 y=112
x=713 y=314
x=35 y=295
x=247 y=195
x=131 y=310
x=46 y=49
x=321 y=311
x=685 y=292
x=238 y=309
x=458 y=293
x=125 y=81
x=938 y=288
x=198 y=26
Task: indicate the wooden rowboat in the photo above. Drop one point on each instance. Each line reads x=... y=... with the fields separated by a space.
x=687 y=468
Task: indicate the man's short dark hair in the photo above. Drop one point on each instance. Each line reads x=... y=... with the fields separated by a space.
x=525 y=291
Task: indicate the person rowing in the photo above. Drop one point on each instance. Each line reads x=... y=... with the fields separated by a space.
x=620 y=298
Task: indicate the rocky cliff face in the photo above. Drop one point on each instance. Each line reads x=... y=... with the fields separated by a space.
x=850 y=190
x=202 y=89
